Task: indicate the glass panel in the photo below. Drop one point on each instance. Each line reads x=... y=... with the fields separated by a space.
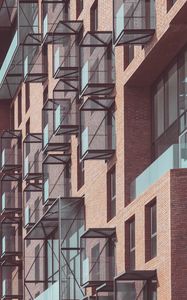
x=159 y=109
x=3 y=157
x=57 y=59
x=46 y=135
x=172 y=97
x=84 y=76
x=9 y=56
x=57 y=117
x=3 y=201
x=51 y=293
x=27 y=215
x=26 y=166
x=84 y=139
x=120 y=21
x=3 y=244
x=45 y=25
x=26 y=65
x=46 y=190
x=183 y=150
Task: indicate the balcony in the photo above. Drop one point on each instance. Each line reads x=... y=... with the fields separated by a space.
x=134 y=21
x=11 y=71
x=136 y=285
x=97 y=257
x=50 y=120
x=97 y=120
x=35 y=69
x=105 y=291
x=11 y=195
x=33 y=157
x=32 y=210
x=56 y=172
x=66 y=50
x=11 y=240
x=11 y=154
x=97 y=74
x=8 y=12
x=65 y=218
x=53 y=11
x=170 y=159
x=12 y=284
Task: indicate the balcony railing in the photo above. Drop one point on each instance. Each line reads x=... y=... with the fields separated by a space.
x=11 y=240
x=56 y=172
x=33 y=156
x=97 y=74
x=167 y=161
x=12 y=284
x=35 y=69
x=8 y=11
x=50 y=119
x=11 y=154
x=97 y=120
x=66 y=49
x=98 y=266
x=134 y=21
x=53 y=12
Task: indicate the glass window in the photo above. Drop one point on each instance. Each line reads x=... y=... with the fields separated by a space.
x=159 y=109
x=94 y=16
x=153 y=230
x=171 y=96
x=111 y=193
x=132 y=244
x=182 y=90
x=150 y=230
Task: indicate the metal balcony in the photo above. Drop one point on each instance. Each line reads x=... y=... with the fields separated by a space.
x=32 y=152
x=35 y=69
x=53 y=11
x=11 y=240
x=11 y=154
x=61 y=225
x=97 y=121
x=12 y=284
x=97 y=257
x=67 y=35
x=97 y=74
x=8 y=13
x=105 y=291
x=134 y=21
x=50 y=120
x=11 y=195
x=56 y=173
x=133 y=284
x=32 y=210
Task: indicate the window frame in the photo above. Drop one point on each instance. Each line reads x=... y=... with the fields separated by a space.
x=111 y=198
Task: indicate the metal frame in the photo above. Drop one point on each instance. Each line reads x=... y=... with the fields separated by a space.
x=33 y=138
x=101 y=39
x=53 y=142
x=97 y=233
x=34 y=67
x=10 y=135
x=62 y=210
x=134 y=36
x=92 y=105
x=136 y=275
x=67 y=29
x=55 y=159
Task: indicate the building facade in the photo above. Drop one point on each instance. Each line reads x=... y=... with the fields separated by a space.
x=93 y=122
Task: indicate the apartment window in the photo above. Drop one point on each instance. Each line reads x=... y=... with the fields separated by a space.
x=170 y=3
x=128 y=51
x=80 y=170
x=79 y=6
x=111 y=193
x=130 y=244
x=94 y=16
x=19 y=108
x=27 y=96
x=170 y=105
x=150 y=230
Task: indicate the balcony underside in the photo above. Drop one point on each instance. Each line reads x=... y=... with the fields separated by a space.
x=33 y=187
x=36 y=78
x=95 y=283
x=50 y=147
x=67 y=73
x=98 y=89
x=7 y=167
x=67 y=129
x=33 y=176
x=11 y=211
x=10 y=256
x=12 y=297
x=135 y=36
x=97 y=154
